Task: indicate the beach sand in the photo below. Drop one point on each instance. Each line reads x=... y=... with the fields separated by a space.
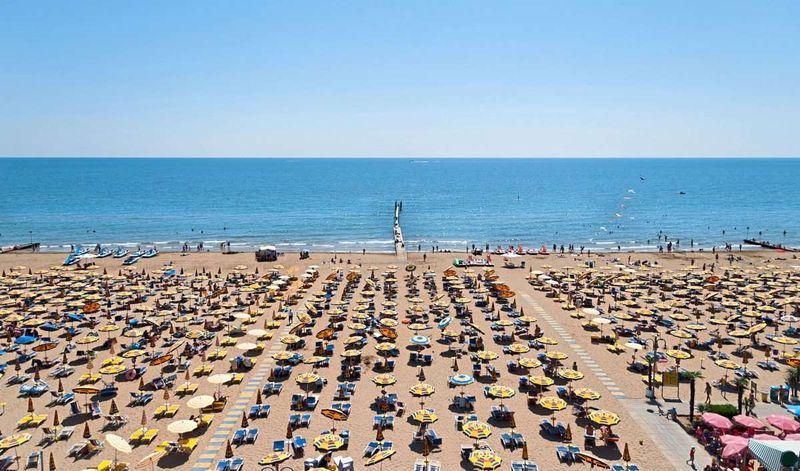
x=541 y=449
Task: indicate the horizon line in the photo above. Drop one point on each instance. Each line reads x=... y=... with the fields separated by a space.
x=361 y=157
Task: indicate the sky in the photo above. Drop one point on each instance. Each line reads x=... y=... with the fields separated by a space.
x=400 y=79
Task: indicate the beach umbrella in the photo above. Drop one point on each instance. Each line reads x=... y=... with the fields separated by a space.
x=541 y=380
x=14 y=440
x=118 y=444
x=476 y=430
x=569 y=374
x=678 y=354
x=602 y=417
x=30 y=405
x=182 y=426
x=626 y=454
x=784 y=423
x=245 y=423
x=86 y=432
x=384 y=379
x=228 y=449
x=529 y=363
x=593 y=460
x=556 y=355
x=587 y=394
x=274 y=457
x=380 y=456
x=501 y=392
x=150 y=459
x=421 y=389
x=552 y=403
x=52 y=464
x=424 y=416
x=328 y=442
x=485 y=459
x=56 y=420
x=487 y=355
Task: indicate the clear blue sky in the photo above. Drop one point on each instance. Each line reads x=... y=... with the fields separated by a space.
x=408 y=78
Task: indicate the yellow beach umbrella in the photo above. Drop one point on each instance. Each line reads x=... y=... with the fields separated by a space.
x=679 y=354
x=552 y=403
x=425 y=416
x=328 y=442
x=476 y=430
x=602 y=417
x=485 y=459
x=586 y=393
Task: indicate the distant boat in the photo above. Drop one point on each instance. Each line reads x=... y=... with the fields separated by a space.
x=150 y=253
x=104 y=252
x=120 y=252
x=131 y=260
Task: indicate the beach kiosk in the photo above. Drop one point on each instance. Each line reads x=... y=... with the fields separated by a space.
x=266 y=253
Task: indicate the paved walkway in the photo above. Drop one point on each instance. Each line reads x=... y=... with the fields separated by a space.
x=245 y=399
x=673 y=442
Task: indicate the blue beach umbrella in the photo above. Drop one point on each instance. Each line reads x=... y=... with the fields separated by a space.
x=445 y=322
x=24 y=339
x=461 y=379
x=420 y=340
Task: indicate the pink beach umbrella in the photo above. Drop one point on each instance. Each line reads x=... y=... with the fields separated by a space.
x=765 y=436
x=733 y=450
x=792 y=437
x=717 y=421
x=748 y=422
x=733 y=439
x=783 y=423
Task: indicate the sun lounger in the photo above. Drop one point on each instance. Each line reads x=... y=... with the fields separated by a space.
x=65 y=433
x=149 y=435
x=33 y=460
x=205 y=420
x=252 y=435
x=137 y=435
x=187 y=445
x=279 y=446
x=238 y=436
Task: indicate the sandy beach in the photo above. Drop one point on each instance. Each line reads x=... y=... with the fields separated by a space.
x=573 y=340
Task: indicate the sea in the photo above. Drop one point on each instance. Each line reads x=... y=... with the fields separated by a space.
x=346 y=205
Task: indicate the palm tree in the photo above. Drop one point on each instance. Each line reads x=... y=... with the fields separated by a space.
x=793 y=379
x=692 y=376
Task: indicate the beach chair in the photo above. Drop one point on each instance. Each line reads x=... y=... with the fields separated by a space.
x=65 y=433
x=254 y=411
x=252 y=435
x=205 y=420
x=238 y=436
x=149 y=435
x=507 y=441
x=298 y=446
x=223 y=465
x=279 y=446
x=137 y=435
x=187 y=445
x=371 y=449
x=565 y=455
x=33 y=460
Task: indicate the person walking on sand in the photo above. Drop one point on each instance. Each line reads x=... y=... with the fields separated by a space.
x=708 y=392
x=690 y=461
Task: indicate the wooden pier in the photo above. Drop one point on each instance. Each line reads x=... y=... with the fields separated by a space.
x=399 y=243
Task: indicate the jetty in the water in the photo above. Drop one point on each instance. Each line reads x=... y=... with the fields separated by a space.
x=399 y=243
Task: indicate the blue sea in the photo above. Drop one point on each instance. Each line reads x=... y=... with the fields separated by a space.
x=347 y=204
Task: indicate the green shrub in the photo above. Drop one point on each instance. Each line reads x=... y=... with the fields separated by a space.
x=725 y=410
